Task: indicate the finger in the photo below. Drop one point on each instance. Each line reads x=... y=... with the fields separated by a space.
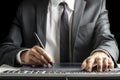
x=105 y=64
x=99 y=64
x=90 y=62
x=39 y=57
x=43 y=53
x=83 y=66
x=35 y=61
x=111 y=64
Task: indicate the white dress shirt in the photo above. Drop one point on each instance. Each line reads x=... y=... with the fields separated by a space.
x=53 y=28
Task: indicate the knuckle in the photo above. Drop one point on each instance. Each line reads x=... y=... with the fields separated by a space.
x=98 y=58
x=36 y=47
x=111 y=61
x=32 y=49
x=89 y=60
x=105 y=59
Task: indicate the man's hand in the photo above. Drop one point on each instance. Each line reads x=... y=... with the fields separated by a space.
x=100 y=60
x=35 y=56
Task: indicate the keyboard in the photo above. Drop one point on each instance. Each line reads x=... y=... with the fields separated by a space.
x=62 y=72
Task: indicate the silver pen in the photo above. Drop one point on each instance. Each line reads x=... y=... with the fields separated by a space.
x=39 y=41
x=40 y=44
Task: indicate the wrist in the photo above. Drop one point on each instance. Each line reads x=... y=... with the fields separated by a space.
x=22 y=56
x=19 y=56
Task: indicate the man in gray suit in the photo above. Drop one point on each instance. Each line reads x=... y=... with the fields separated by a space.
x=90 y=39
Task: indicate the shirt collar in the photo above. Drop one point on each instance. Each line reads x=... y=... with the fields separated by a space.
x=69 y=2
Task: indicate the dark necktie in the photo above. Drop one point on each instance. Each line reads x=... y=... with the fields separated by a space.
x=64 y=35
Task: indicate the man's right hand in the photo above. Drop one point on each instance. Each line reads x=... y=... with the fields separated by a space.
x=35 y=56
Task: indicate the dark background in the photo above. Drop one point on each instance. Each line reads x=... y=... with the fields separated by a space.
x=114 y=16
x=8 y=10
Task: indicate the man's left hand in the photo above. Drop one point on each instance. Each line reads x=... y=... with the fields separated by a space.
x=100 y=60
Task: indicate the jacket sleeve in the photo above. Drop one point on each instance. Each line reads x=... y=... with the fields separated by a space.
x=12 y=43
x=104 y=40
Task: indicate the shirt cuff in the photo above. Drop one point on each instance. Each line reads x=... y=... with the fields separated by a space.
x=18 y=56
x=96 y=50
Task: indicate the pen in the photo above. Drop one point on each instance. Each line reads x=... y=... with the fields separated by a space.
x=38 y=40
x=41 y=44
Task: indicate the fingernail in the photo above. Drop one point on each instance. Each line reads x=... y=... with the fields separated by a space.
x=49 y=65
x=44 y=65
x=89 y=69
x=110 y=69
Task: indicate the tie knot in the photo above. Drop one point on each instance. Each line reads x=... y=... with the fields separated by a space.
x=64 y=4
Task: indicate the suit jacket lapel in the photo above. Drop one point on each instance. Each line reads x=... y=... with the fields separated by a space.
x=41 y=16
x=77 y=16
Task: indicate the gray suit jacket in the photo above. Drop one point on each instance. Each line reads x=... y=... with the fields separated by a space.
x=90 y=30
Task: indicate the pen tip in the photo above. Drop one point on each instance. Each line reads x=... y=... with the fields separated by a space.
x=51 y=63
